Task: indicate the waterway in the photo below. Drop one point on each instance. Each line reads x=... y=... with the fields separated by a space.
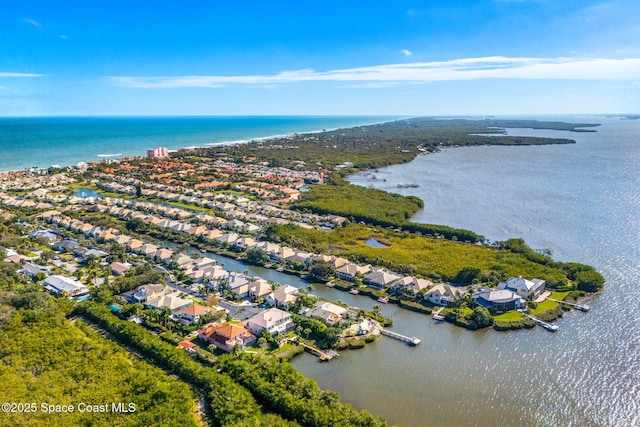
x=582 y=200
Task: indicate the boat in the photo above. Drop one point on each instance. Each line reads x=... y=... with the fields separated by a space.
x=408 y=185
x=550 y=327
x=354 y=291
x=383 y=300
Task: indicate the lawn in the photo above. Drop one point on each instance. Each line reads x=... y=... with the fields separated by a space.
x=545 y=305
x=509 y=316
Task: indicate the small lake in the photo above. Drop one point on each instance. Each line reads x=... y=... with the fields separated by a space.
x=376 y=244
x=86 y=192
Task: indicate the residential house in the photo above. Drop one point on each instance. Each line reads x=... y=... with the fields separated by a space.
x=192 y=313
x=348 y=271
x=119 y=268
x=172 y=301
x=499 y=300
x=188 y=346
x=379 y=279
x=259 y=288
x=527 y=289
x=60 y=284
x=163 y=255
x=146 y=293
x=46 y=234
x=273 y=320
x=226 y=336
x=31 y=270
x=410 y=286
x=326 y=311
x=442 y=294
x=238 y=284
x=284 y=296
x=66 y=245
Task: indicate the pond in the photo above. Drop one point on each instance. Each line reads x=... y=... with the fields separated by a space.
x=86 y=192
x=376 y=244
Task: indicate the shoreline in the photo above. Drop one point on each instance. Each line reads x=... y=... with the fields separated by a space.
x=187 y=145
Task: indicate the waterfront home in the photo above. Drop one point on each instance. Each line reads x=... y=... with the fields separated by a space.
x=299 y=257
x=226 y=336
x=527 y=289
x=211 y=234
x=325 y=311
x=148 y=292
x=410 y=286
x=242 y=243
x=499 y=300
x=191 y=314
x=273 y=320
x=348 y=271
x=61 y=284
x=379 y=279
x=281 y=253
x=442 y=294
x=172 y=301
x=226 y=239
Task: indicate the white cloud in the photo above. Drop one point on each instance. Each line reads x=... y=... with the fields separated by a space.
x=33 y=22
x=496 y=67
x=20 y=74
x=407 y=52
x=63 y=36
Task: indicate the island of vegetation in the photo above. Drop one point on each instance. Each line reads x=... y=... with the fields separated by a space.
x=110 y=293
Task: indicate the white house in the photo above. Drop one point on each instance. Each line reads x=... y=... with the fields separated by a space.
x=441 y=294
x=523 y=287
x=330 y=313
x=273 y=320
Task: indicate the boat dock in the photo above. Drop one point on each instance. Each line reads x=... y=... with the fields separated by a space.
x=580 y=307
x=437 y=315
x=548 y=326
x=409 y=340
x=323 y=355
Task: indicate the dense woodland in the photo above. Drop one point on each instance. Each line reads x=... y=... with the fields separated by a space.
x=390 y=143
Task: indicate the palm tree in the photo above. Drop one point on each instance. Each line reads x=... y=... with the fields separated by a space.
x=376 y=309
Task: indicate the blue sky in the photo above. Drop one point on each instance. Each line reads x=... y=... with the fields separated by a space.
x=319 y=58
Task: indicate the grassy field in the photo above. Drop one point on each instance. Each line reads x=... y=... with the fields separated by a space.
x=509 y=316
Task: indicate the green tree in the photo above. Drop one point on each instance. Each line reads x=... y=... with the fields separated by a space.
x=482 y=317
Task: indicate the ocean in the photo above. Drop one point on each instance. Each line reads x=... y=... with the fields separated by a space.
x=45 y=141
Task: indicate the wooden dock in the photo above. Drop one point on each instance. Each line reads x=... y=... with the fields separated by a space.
x=323 y=355
x=437 y=316
x=412 y=341
x=548 y=326
x=580 y=307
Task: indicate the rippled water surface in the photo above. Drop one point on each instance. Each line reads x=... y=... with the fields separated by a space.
x=583 y=201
